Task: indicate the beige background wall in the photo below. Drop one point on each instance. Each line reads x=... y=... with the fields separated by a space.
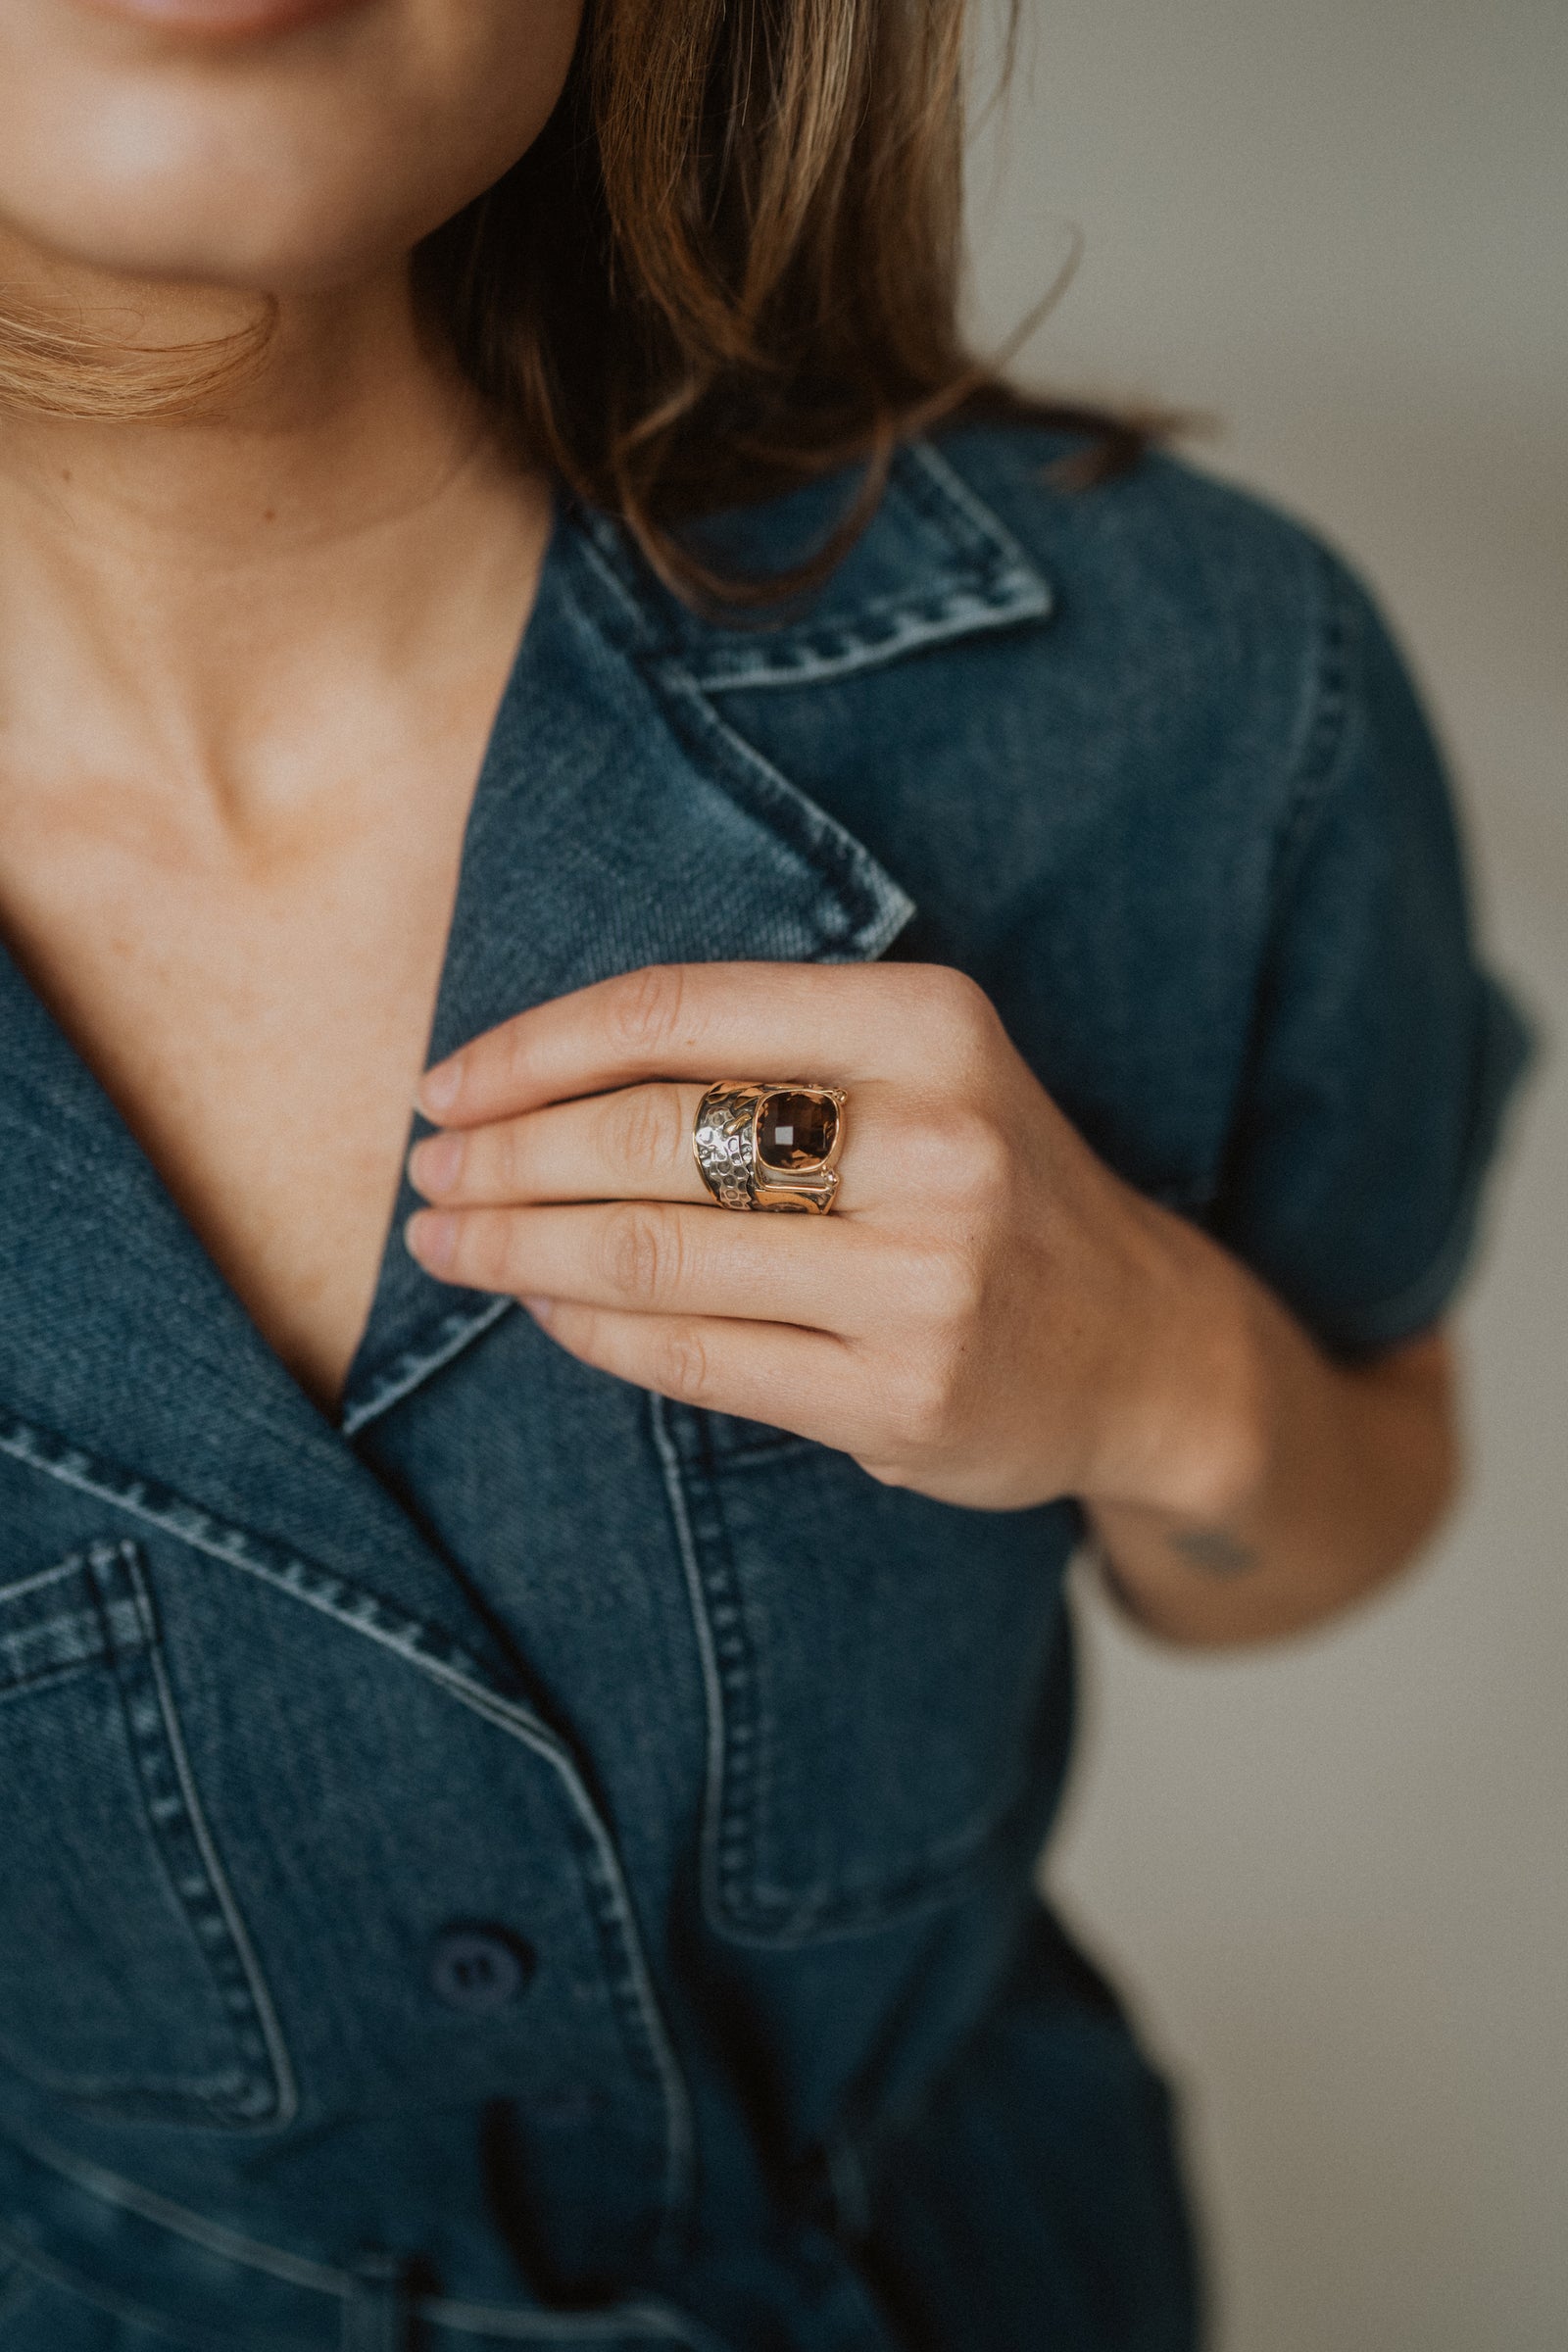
x=1334 y=1875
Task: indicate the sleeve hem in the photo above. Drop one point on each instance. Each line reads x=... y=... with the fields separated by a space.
x=1507 y=1049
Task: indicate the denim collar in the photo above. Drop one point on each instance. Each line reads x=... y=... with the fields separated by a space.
x=935 y=564
x=618 y=820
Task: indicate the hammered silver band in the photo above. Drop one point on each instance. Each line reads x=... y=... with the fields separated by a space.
x=735 y=1168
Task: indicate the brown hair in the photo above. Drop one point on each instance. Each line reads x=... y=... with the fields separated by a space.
x=729 y=263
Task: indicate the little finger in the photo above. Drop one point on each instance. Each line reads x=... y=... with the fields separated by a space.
x=804 y=1381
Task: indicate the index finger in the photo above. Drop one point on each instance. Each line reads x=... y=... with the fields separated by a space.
x=830 y=1024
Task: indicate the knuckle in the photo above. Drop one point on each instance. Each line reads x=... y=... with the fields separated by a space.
x=987 y=1172
x=643 y=1010
x=948 y=1285
x=514 y=1059
x=964 y=1015
x=960 y=1155
x=967 y=1002
x=951 y=996
x=489 y=1253
x=640 y=1253
x=681 y=1368
x=645 y=1129
x=927 y=1402
x=509 y=1162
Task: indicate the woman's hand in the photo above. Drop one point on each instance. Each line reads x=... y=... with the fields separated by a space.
x=987 y=1315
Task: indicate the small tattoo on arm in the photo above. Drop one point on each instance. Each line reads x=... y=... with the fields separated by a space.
x=1213 y=1550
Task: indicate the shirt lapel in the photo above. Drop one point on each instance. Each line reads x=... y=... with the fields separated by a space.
x=130 y=1370
x=618 y=821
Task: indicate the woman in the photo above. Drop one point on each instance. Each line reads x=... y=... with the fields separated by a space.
x=524 y=1753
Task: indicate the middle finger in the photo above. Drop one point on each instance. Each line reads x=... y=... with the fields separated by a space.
x=633 y=1144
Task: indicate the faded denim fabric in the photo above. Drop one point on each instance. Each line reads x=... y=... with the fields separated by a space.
x=535 y=1864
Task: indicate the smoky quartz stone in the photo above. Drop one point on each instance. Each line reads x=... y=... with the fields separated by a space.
x=796 y=1131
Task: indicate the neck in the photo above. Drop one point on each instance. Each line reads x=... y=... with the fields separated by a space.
x=174 y=583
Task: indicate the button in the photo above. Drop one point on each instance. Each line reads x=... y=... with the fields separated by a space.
x=480 y=1968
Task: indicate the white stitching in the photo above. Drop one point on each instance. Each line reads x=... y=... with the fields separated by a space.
x=287 y=2106
x=202 y=1533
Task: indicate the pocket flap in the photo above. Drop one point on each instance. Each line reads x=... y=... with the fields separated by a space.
x=87 y=1610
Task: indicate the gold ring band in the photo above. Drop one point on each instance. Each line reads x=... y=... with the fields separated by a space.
x=770 y=1144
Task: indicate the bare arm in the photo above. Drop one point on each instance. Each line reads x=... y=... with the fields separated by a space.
x=1295 y=1485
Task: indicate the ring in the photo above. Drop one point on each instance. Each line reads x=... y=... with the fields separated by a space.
x=770 y=1144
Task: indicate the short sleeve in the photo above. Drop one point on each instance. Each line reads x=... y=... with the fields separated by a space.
x=1384 y=1053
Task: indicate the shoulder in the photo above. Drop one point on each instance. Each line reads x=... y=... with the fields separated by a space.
x=1006 y=668
x=1166 y=570
x=1114 y=711
x=1157 y=628
x=1194 y=626
x=1165 y=531
x=1096 y=738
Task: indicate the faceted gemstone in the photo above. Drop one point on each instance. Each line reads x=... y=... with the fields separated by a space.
x=796 y=1131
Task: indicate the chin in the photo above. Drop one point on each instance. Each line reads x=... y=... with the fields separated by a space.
x=275 y=222
x=287 y=249
x=279 y=170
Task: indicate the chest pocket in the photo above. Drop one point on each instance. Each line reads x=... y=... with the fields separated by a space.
x=126 y=1982
x=886 y=1677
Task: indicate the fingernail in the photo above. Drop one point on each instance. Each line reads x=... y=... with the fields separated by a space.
x=438 y=1087
x=432 y=1239
x=435 y=1165
x=541 y=1309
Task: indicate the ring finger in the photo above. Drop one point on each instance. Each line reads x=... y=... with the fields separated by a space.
x=632 y=1144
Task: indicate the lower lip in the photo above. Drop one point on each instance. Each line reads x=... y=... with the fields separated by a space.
x=221 y=19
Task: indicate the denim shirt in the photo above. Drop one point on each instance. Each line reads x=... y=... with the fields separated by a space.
x=538 y=1864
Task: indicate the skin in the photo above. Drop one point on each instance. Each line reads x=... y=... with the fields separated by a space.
x=248 y=663
x=990 y=1315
